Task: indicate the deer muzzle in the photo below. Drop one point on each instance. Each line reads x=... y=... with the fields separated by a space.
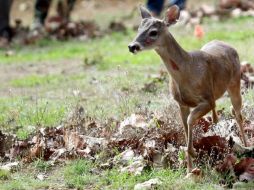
x=134 y=47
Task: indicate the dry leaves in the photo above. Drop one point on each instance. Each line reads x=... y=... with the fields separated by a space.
x=150 y=184
x=138 y=142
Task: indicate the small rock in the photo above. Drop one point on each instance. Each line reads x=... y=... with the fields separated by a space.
x=150 y=144
x=76 y=93
x=208 y=10
x=9 y=53
x=248 y=13
x=184 y=17
x=125 y=157
x=150 y=184
x=41 y=177
x=215 y=18
x=136 y=167
x=195 y=21
x=236 y=13
x=11 y=167
x=105 y=166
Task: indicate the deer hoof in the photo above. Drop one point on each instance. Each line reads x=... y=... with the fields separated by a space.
x=194 y=175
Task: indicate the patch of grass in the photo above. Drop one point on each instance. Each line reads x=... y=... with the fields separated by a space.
x=4 y=174
x=113 y=47
x=24 y=182
x=82 y=174
x=171 y=180
x=78 y=174
x=23 y=117
x=46 y=80
x=93 y=59
x=37 y=80
x=41 y=165
x=113 y=54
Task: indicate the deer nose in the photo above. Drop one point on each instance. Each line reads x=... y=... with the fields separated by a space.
x=134 y=47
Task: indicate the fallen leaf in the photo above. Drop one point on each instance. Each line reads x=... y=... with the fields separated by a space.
x=204 y=123
x=227 y=164
x=195 y=175
x=207 y=143
x=245 y=169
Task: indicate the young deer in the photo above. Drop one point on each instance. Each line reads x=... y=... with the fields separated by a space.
x=199 y=78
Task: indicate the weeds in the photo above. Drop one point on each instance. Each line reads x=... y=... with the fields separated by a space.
x=78 y=174
x=4 y=175
x=41 y=165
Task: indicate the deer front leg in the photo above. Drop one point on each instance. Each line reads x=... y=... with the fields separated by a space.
x=185 y=111
x=198 y=112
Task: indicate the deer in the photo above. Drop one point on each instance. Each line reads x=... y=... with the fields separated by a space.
x=198 y=78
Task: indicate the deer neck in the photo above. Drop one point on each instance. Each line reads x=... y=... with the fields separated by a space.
x=174 y=56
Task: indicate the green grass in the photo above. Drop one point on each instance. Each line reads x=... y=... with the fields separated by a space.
x=22 y=116
x=112 y=54
x=4 y=174
x=113 y=48
x=83 y=174
x=41 y=165
x=78 y=175
x=23 y=182
x=37 y=80
x=51 y=80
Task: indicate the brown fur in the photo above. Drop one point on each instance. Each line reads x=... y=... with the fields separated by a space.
x=199 y=78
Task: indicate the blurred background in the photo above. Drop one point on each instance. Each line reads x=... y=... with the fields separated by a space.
x=54 y=16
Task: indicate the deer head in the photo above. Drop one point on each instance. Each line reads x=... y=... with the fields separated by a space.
x=151 y=31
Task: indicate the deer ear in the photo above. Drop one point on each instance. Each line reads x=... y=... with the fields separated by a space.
x=172 y=15
x=144 y=12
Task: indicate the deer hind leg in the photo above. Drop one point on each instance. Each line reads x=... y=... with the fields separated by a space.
x=214 y=116
x=185 y=111
x=236 y=99
x=198 y=112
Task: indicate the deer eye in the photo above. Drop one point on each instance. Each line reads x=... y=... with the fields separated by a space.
x=153 y=33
